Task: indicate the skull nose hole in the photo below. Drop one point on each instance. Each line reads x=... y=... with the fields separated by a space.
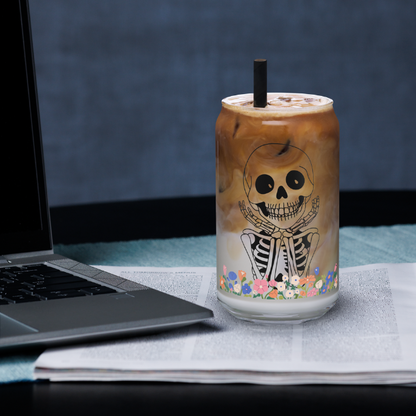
x=281 y=193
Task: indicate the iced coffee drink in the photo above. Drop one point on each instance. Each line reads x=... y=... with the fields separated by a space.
x=277 y=197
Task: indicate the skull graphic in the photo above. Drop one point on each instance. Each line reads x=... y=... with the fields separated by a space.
x=278 y=181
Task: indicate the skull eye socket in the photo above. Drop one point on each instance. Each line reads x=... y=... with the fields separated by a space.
x=264 y=184
x=295 y=180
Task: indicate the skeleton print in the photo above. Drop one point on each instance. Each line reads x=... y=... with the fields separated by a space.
x=278 y=181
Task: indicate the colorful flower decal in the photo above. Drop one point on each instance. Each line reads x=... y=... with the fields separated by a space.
x=222 y=282
x=308 y=279
x=291 y=287
x=273 y=294
x=246 y=289
x=260 y=286
x=329 y=277
x=294 y=280
x=312 y=292
x=232 y=276
x=289 y=294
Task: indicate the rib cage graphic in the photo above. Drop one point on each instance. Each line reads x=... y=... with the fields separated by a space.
x=265 y=251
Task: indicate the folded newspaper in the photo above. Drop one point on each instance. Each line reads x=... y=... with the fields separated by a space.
x=369 y=337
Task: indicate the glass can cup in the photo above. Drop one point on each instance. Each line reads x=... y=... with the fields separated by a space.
x=277 y=207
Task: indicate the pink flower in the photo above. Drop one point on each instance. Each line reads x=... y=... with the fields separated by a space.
x=260 y=286
x=335 y=268
x=273 y=283
x=312 y=292
x=224 y=269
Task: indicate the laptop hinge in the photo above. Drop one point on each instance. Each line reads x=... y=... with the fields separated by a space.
x=19 y=256
x=3 y=260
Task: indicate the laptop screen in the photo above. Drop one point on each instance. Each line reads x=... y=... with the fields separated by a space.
x=24 y=226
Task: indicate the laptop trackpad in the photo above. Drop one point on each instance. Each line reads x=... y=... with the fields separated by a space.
x=10 y=327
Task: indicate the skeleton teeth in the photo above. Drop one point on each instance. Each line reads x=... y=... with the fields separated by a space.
x=283 y=212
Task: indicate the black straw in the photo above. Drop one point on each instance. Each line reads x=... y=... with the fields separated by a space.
x=260 y=83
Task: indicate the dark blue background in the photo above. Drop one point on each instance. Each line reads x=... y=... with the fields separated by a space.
x=130 y=90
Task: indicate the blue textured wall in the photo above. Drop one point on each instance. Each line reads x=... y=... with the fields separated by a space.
x=130 y=90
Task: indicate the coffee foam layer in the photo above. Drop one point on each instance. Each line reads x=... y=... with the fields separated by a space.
x=285 y=103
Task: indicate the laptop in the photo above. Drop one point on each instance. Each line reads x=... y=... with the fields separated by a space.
x=47 y=299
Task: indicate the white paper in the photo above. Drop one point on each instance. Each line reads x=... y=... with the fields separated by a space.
x=368 y=337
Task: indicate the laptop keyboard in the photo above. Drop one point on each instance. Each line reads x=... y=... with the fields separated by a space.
x=40 y=282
